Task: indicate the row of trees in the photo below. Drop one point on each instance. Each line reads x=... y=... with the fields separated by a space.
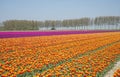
x=107 y=20
x=35 y=25
x=20 y=25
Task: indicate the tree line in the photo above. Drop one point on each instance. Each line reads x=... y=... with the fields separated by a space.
x=35 y=25
x=20 y=25
x=107 y=20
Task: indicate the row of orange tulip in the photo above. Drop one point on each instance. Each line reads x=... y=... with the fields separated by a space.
x=117 y=73
x=87 y=65
x=26 y=42
x=20 y=55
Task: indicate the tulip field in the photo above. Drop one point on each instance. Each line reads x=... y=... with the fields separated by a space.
x=87 y=54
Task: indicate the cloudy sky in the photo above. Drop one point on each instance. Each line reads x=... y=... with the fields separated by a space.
x=57 y=9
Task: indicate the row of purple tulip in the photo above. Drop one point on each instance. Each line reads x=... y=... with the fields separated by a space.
x=12 y=34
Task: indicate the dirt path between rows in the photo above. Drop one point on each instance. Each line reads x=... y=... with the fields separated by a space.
x=111 y=72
